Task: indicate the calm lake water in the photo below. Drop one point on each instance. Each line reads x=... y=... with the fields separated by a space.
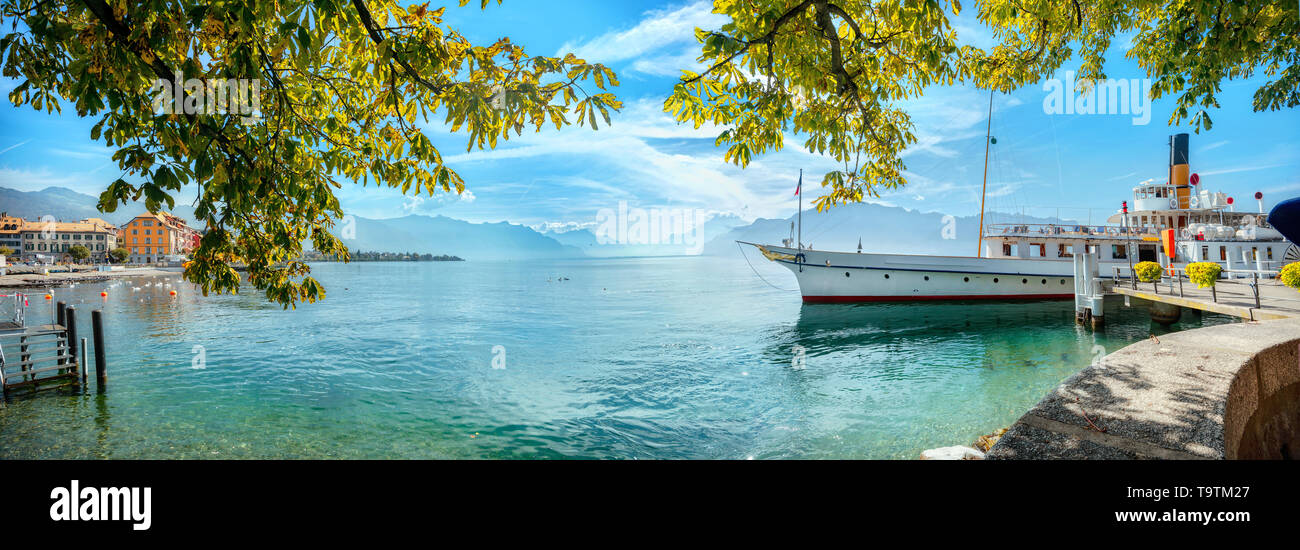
x=628 y=358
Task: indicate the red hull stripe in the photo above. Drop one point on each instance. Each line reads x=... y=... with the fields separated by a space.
x=838 y=299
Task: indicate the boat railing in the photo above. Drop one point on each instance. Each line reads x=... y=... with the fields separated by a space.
x=1066 y=230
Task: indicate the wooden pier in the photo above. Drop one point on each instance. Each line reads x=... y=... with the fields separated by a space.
x=38 y=358
x=51 y=356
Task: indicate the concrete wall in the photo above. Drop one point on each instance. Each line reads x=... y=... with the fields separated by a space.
x=1262 y=417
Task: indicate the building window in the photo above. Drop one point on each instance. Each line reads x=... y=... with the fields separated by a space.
x=135 y=231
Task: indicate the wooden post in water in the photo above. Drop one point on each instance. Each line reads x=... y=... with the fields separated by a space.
x=101 y=363
x=81 y=366
x=60 y=319
x=70 y=315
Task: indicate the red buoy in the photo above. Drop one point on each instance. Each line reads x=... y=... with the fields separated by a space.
x=173 y=293
x=103 y=294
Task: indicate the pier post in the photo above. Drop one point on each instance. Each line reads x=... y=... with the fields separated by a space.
x=70 y=315
x=81 y=367
x=58 y=313
x=101 y=363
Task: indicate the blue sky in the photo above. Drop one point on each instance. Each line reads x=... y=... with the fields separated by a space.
x=1078 y=165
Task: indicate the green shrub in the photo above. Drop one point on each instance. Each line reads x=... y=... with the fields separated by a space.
x=1148 y=272
x=1290 y=275
x=1204 y=274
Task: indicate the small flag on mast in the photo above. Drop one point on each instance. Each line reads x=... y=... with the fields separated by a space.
x=796 y=189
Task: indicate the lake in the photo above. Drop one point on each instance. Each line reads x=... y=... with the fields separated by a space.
x=692 y=357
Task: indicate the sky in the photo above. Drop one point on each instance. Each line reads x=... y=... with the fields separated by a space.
x=1072 y=165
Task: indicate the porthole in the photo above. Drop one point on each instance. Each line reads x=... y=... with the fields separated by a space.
x=1062 y=281
x=846 y=274
x=995 y=279
x=965 y=279
x=1024 y=281
x=886 y=275
x=1044 y=281
x=927 y=277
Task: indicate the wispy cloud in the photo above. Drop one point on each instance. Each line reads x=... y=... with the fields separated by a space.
x=15 y=146
x=1212 y=146
x=661 y=43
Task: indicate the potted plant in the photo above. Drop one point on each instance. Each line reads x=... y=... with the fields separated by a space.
x=1290 y=275
x=1149 y=272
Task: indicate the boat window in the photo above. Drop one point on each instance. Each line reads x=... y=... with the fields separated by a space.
x=1223 y=253
x=1269 y=251
x=1117 y=251
x=1006 y=249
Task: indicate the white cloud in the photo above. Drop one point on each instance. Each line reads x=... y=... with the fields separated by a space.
x=647 y=41
x=417 y=203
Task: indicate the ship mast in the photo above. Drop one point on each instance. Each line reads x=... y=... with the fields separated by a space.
x=988 y=133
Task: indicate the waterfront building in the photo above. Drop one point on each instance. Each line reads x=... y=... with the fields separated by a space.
x=152 y=237
x=54 y=239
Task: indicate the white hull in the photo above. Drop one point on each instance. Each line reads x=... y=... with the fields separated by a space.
x=856 y=277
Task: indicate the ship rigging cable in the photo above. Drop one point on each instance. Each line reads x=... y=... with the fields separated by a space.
x=760 y=277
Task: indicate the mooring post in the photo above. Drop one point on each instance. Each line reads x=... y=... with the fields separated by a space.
x=70 y=315
x=101 y=364
x=59 y=318
x=81 y=370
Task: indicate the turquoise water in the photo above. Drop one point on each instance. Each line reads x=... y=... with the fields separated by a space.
x=628 y=358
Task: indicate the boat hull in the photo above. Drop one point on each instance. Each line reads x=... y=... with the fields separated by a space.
x=834 y=277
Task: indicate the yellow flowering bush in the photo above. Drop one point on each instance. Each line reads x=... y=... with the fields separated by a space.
x=1148 y=272
x=1204 y=274
x=1290 y=275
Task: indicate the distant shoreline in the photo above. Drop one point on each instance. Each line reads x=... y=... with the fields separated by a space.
x=36 y=280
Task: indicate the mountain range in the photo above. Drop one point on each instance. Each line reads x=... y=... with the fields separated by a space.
x=879 y=228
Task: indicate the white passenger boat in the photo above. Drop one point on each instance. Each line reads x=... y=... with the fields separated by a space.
x=1026 y=261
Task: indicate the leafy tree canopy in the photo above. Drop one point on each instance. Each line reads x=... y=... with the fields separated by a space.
x=78 y=252
x=340 y=87
x=835 y=71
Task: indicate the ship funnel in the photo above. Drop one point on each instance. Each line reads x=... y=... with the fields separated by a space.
x=1178 y=169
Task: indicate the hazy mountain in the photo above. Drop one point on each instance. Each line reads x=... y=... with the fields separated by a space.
x=422 y=234
x=673 y=244
x=67 y=205
x=884 y=229
x=443 y=235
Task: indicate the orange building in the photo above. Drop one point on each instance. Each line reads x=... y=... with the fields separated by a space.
x=152 y=237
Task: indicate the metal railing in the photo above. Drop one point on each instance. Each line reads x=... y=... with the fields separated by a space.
x=1048 y=230
x=1179 y=272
